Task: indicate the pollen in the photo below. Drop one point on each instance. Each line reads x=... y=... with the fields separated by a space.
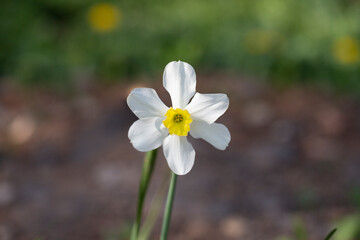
x=178 y=121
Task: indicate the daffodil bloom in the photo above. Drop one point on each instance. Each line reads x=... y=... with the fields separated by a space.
x=159 y=125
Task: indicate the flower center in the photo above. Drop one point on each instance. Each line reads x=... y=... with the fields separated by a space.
x=178 y=121
x=178 y=118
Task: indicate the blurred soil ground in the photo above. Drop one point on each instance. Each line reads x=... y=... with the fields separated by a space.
x=68 y=171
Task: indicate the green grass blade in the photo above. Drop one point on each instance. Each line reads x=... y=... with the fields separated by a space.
x=147 y=171
x=154 y=211
x=330 y=234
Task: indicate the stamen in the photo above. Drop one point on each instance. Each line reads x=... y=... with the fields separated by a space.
x=178 y=118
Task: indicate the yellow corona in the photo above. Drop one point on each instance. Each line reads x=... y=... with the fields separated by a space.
x=178 y=121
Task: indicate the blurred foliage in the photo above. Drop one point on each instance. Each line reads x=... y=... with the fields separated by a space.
x=53 y=42
x=307 y=197
x=348 y=228
x=300 y=232
x=119 y=233
x=355 y=196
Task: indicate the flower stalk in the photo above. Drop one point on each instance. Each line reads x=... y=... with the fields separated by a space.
x=168 y=207
x=152 y=131
x=147 y=171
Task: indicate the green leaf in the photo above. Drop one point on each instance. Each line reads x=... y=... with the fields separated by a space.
x=154 y=211
x=147 y=171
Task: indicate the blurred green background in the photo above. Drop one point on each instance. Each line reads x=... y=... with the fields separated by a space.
x=54 y=42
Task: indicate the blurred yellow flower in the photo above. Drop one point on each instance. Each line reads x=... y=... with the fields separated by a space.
x=258 y=42
x=104 y=17
x=346 y=50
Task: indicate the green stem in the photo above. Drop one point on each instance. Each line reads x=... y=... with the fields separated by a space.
x=147 y=171
x=168 y=207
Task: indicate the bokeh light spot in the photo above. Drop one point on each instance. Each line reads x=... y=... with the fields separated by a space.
x=104 y=17
x=346 y=50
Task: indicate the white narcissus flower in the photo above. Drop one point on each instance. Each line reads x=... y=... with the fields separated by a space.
x=159 y=125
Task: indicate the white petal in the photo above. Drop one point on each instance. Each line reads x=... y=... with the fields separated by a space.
x=179 y=80
x=147 y=134
x=179 y=154
x=145 y=102
x=208 y=107
x=216 y=134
